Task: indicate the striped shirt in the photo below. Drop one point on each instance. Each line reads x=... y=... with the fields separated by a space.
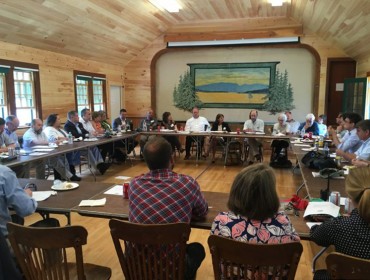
x=163 y=196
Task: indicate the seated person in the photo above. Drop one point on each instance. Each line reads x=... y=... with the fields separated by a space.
x=350 y=235
x=77 y=130
x=281 y=127
x=197 y=124
x=168 y=123
x=35 y=136
x=218 y=125
x=309 y=126
x=167 y=197
x=149 y=123
x=292 y=122
x=323 y=129
x=254 y=125
x=350 y=141
x=122 y=123
x=104 y=123
x=57 y=135
x=339 y=130
x=253 y=214
x=363 y=152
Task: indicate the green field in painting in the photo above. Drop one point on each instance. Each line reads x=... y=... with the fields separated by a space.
x=229 y=97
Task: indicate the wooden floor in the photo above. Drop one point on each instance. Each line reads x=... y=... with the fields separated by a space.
x=211 y=177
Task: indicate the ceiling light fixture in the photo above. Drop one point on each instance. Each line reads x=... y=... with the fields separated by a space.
x=234 y=42
x=276 y=3
x=169 y=5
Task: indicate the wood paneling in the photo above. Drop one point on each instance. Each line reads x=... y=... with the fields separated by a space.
x=117 y=31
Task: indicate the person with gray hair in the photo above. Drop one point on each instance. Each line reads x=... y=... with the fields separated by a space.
x=309 y=125
x=280 y=128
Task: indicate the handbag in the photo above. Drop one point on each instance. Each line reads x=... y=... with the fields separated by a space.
x=316 y=160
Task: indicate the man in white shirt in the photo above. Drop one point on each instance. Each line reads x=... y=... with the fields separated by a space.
x=35 y=136
x=85 y=119
x=254 y=125
x=292 y=122
x=196 y=123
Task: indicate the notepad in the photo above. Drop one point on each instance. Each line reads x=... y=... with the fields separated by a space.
x=42 y=195
x=116 y=190
x=93 y=202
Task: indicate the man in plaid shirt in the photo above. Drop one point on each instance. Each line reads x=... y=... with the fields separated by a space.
x=163 y=196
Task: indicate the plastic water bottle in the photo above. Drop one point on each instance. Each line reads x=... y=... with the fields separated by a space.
x=145 y=128
x=119 y=128
x=326 y=149
x=70 y=139
x=302 y=132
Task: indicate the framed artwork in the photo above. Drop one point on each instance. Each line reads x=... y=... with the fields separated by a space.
x=233 y=85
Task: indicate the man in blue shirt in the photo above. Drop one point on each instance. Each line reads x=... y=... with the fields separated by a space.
x=14 y=196
x=350 y=141
x=363 y=153
x=310 y=125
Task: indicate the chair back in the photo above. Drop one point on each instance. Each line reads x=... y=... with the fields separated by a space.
x=341 y=266
x=242 y=260
x=41 y=252
x=151 y=251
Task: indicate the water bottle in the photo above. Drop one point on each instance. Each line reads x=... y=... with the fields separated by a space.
x=302 y=132
x=70 y=139
x=119 y=128
x=326 y=149
x=145 y=128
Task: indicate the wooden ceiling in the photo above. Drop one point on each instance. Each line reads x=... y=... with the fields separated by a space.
x=115 y=31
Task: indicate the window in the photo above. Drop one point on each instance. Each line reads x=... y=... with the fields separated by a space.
x=3 y=99
x=20 y=91
x=90 y=91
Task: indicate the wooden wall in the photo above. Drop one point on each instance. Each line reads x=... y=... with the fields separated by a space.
x=138 y=83
x=56 y=75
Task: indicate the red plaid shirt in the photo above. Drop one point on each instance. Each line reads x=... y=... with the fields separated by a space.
x=163 y=196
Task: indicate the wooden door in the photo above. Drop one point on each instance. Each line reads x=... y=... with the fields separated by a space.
x=338 y=70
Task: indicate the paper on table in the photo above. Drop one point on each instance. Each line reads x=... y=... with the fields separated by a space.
x=43 y=150
x=44 y=147
x=116 y=190
x=42 y=195
x=92 y=202
x=302 y=145
x=37 y=154
x=308 y=149
x=317 y=174
x=311 y=224
x=123 y=177
x=321 y=208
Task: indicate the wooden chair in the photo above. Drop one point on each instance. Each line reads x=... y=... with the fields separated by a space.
x=241 y=260
x=41 y=253
x=341 y=266
x=151 y=251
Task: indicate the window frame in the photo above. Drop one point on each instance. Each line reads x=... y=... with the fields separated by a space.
x=10 y=88
x=90 y=87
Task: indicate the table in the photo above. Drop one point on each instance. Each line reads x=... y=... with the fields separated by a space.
x=64 y=201
x=117 y=207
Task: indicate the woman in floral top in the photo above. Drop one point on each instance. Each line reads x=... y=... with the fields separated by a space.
x=254 y=210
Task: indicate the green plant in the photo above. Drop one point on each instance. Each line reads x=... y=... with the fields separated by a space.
x=280 y=98
x=184 y=96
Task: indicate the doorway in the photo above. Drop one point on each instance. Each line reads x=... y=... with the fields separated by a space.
x=116 y=98
x=338 y=69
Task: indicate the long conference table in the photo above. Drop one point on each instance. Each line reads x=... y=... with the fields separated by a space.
x=66 y=202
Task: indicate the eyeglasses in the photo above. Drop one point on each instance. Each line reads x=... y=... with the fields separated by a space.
x=31 y=186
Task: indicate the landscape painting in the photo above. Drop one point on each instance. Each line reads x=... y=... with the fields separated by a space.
x=233 y=85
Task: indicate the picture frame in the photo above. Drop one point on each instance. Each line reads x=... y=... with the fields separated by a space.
x=233 y=85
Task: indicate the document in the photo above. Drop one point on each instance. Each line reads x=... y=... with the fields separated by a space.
x=116 y=190
x=123 y=177
x=42 y=195
x=93 y=202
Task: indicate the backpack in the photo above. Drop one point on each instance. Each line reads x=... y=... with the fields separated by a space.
x=316 y=160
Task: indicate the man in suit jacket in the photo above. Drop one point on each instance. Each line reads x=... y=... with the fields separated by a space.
x=77 y=130
x=123 y=123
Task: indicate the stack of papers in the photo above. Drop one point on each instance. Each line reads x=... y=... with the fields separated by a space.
x=116 y=190
x=42 y=195
x=93 y=202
